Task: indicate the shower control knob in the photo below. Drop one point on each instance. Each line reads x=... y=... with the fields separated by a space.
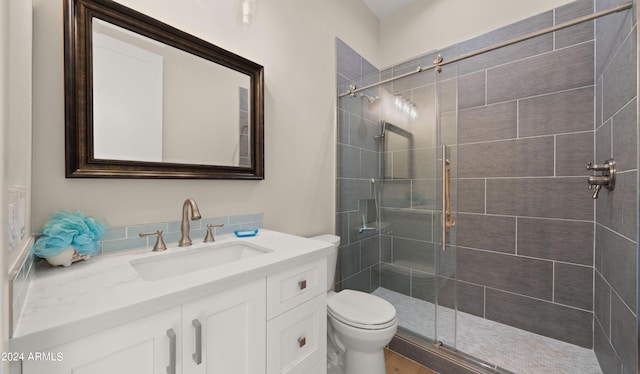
x=596 y=167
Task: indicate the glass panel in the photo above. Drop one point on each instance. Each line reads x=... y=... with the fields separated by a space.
x=408 y=147
x=389 y=197
x=396 y=206
x=447 y=97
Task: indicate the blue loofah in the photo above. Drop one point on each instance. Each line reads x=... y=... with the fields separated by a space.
x=66 y=229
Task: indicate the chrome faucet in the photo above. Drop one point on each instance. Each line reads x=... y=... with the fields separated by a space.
x=185 y=241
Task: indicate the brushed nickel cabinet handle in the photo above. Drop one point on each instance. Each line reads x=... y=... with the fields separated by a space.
x=197 y=357
x=447 y=219
x=171 y=369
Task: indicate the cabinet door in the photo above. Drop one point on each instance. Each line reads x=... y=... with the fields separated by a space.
x=139 y=347
x=229 y=328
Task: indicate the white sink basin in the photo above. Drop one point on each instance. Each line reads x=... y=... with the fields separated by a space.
x=192 y=259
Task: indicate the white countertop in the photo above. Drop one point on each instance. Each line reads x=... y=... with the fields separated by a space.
x=66 y=303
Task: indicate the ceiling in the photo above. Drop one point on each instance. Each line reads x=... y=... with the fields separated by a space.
x=383 y=8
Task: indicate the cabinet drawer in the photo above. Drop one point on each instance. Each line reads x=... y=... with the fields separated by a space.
x=297 y=339
x=295 y=286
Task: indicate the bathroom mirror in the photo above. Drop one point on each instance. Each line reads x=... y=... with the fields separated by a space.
x=146 y=100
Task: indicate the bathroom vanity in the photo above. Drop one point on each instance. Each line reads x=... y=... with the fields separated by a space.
x=265 y=313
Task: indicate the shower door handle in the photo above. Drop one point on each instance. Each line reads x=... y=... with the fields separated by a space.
x=449 y=221
x=447 y=217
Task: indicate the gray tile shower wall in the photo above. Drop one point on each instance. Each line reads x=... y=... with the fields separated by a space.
x=525 y=218
x=524 y=130
x=616 y=241
x=358 y=162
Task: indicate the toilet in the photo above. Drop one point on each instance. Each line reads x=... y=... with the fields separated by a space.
x=359 y=325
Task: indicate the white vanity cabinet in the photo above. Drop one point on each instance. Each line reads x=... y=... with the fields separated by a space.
x=141 y=347
x=227 y=336
x=297 y=325
x=258 y=315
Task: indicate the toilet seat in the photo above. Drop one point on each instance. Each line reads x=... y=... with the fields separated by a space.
x=361 y=310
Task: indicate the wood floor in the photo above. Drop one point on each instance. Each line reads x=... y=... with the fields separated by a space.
x=397 y=364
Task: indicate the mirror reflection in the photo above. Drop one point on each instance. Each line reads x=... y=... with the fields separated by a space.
x=145 y=108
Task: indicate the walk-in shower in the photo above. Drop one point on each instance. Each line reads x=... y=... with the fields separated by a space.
x=487 y=239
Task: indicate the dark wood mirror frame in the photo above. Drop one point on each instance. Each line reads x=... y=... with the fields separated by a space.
x=80 y=162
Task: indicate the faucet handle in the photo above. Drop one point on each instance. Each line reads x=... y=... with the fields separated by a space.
x=596 y=167
x=159 y=246
x=209 y=237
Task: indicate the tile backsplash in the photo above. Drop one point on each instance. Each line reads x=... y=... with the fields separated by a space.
x=19 y=287
x=124 y=238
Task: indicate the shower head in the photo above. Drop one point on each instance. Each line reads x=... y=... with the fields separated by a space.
x=372 y=100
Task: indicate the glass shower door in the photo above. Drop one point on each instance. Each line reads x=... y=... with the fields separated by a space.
x=390 y=194
x=411 y=208
x=446 y=288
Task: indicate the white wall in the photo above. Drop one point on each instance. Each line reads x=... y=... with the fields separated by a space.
x=427 y=25
x=293 y=40
x=4 y=119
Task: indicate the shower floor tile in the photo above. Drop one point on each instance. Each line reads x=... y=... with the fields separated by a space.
x=519 y=351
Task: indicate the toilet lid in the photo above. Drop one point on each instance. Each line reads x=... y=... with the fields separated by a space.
x=361 y=309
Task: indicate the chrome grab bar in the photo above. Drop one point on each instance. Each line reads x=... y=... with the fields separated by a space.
x=447 y=218
x=449 y=221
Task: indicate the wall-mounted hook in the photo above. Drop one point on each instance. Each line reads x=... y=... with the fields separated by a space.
x=606 y=179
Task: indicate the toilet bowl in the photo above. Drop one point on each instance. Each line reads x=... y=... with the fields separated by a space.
x=359 y=325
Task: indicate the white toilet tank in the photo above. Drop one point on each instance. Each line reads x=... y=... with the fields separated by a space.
x=332 y=259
